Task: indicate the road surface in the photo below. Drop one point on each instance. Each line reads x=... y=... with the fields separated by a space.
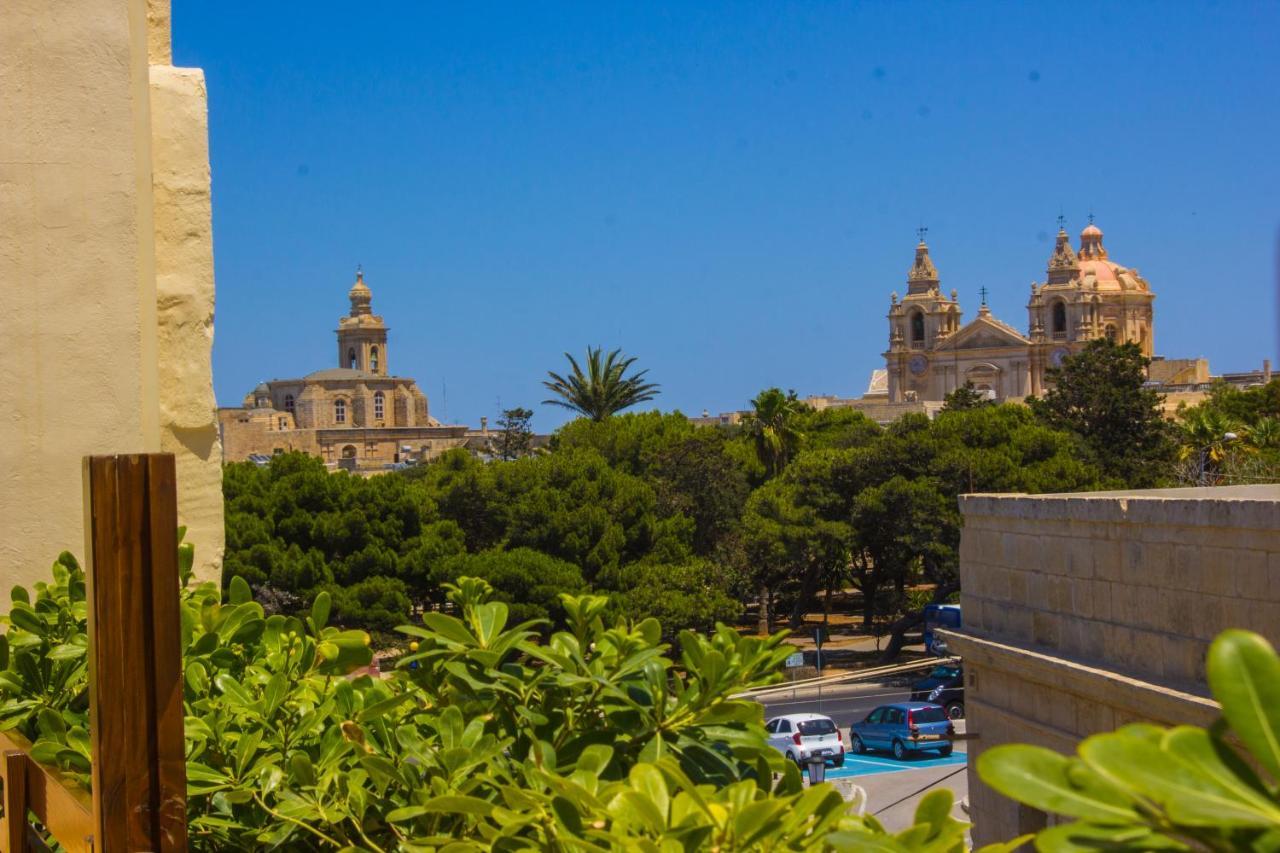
x=843 y=703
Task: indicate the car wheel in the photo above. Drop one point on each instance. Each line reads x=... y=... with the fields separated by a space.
x=899 y=751
x=955 y=710
x=856 y=745
x=946 y=750
x=838 y=761
x=791 y=756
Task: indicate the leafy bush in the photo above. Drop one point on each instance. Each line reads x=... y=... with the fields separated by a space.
x=484 y=739
x=1146 y=787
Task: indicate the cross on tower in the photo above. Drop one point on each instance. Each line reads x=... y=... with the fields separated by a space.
x=1091 y=217
x=1062 y=222
x=921 y=231
x=983 y=292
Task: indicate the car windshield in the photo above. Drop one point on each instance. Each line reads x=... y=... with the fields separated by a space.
x=928 y=715
x=944 y=672
x=817 y=727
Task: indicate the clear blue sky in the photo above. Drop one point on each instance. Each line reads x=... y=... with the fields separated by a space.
x=728 y=191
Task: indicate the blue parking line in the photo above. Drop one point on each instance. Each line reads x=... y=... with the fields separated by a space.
x=866 y=765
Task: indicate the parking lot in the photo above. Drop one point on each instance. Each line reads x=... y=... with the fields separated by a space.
x=893 y=787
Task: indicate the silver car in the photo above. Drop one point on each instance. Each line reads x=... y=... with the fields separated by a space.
x=801 y=737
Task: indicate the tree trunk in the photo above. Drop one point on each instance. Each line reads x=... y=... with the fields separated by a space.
x=764 y=610
x=808 y=589
x=898 y=633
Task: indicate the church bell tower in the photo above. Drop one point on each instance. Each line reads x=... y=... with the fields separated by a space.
x=362 y=336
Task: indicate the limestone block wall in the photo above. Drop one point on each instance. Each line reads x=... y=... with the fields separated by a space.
x=1083 y=612
x=184 y=296
x=81 y=311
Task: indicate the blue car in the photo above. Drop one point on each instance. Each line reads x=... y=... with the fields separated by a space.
x=903 y=728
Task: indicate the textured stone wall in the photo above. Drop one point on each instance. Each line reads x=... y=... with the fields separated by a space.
x=81 y=314
x=1084 y=612
x=184 y=294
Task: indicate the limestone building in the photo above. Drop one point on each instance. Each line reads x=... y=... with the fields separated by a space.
x=106 y=256
x=1085 y=295
x=355 y=415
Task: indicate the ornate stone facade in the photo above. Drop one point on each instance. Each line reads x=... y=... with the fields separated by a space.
x=355 y=415
x=1085 y=295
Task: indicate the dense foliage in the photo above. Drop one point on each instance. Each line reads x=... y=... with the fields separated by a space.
x=1147 y=787
x=1233 y=437
x=796 y=505
x=484 y=739
x=1100 y=394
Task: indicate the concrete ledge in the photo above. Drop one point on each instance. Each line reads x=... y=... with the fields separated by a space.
x=1142 y=699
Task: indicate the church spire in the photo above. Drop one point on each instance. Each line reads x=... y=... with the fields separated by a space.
x=1063 y=264
x=923 y=276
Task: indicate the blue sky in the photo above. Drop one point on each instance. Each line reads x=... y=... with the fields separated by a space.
x=728 y=191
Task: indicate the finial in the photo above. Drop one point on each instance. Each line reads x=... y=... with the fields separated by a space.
x=982 y=291
x=1062 y=222
x=921 y=231
x=1091 y=216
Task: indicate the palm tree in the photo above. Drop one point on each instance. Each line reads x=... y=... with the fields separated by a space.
x=603 y=389
x=1265 y=433
x=1207 y=435
x=771 y=424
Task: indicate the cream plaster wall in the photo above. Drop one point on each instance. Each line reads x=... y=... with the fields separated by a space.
x=1084 y=612
x=78 y=303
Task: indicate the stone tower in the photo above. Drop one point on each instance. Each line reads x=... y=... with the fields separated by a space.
x=919 y=322
x=362 y=336
x=1085 y=296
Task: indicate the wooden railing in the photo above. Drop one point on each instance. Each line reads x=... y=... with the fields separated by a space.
x=138 y=801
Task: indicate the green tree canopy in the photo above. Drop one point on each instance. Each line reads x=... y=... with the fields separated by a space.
x=1100 y=395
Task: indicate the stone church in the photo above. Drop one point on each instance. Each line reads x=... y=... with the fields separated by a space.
x=356 y=415
x=1085 y=295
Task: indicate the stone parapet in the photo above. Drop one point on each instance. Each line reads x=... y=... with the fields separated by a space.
x=1086 y=611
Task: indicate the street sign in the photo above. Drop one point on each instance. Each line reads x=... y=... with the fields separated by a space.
x=795 y=660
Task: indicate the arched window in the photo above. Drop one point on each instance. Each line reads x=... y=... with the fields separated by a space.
x=351 y=358
x=917 y=328
x=373 y=359
x=1059 y=318
x=288 y=403
x=349 y=452
x=378 y=405
x=339 y=411
x=1111 y=333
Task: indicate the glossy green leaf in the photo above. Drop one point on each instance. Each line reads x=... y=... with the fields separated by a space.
x=1244 y=674
x=1045 y=779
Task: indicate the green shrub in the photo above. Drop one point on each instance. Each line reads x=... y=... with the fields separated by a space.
x=484 y=739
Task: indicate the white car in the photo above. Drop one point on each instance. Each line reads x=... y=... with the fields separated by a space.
x=803 y=736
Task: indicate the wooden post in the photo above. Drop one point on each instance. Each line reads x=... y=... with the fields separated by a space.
x=13 y=829
x=135 y=659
